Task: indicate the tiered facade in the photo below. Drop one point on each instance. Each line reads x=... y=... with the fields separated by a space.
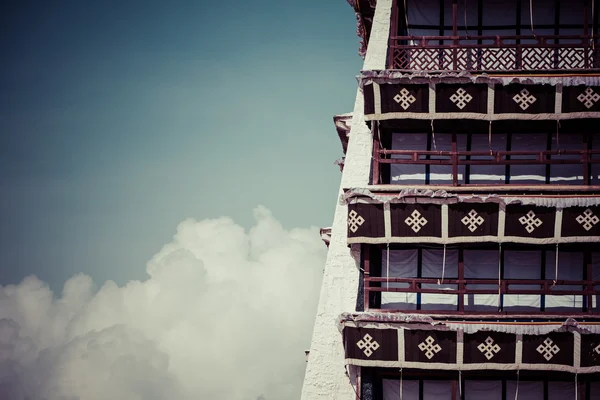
x=462 y=260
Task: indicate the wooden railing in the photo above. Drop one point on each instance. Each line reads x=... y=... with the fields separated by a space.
x=457 y=158
x=587 y=289
x=494 y=53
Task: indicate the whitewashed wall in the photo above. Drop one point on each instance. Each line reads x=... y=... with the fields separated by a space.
x=325 y=374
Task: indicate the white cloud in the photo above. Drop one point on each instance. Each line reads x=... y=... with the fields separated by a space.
x=225 y=314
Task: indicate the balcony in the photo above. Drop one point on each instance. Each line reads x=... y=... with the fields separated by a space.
x=515 y=54
x=480 y=279
x=544 y=159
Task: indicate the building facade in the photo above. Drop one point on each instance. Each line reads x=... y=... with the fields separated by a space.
x=463 y=260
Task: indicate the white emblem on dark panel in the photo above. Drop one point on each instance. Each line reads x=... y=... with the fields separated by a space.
x=461 y=98
x=404 y=98
x=489 y=348
x=430 y=347
x=354 y=221
x=524 y=99
x=416 y=221
x=530 y=221
x=472 y=220
x=589 y=97
x=368 y=345
x=548 y=349
x=588 y=219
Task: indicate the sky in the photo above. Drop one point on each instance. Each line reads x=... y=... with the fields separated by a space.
x=164 y=171
x=119 y=120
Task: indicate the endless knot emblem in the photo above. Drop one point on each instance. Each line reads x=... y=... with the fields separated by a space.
x=588 y=219
x=404 y=98
x=530 y=221
x=429 y=348
x=548 y=349
x=489 y=348
x=354 y=221
x=367 y=345
x=588 y=97
x=524 y=99
x=461 y=98
x=415 y=221
x=472 y=220
x=597 y=349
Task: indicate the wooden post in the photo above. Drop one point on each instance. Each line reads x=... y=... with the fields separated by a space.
x=366 y=274
x=455 y=34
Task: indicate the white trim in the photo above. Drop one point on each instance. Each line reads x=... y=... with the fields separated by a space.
x=460 y=348
x=577 y=350
x=473 y=239
x=501 y=224
x=491 y=98
x=432 y=98
x=519 y=349
x=558 y=99
x=558 y=224
x=445 y=222
x=376 y=99
x=401 y=354
x=482 y=116
x=470 y=367
x=387 y=221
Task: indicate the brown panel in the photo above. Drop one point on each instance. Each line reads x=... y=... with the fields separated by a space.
x=404 y=98
x=553 y=348
x=580 y=99
x=461 y=98
x=590 y=350
x=416 y=220
x=430 y=346
x=365 y=220
x=369 y=104
x=472 y=220
x=371 y=344
x=492 y=347
x=524 y=99
x=581 y=221
x=530 y=221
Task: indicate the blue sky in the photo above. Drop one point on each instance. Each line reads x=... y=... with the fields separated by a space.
x=118 y=120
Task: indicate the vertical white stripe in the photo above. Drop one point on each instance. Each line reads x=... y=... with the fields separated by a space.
x=432 y=98
x=377 y=98
x=401 y=357
x=501 y=223
x=576 y=350
x=460 y=347
x=444 y=223
x=558 y=224
x=490 y=99
x=387 y=221
x=558 y=99
x=519 y=351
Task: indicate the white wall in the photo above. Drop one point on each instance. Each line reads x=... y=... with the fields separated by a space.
x=325 y=374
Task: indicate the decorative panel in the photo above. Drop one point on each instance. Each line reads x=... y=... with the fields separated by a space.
x=581 y=98
x=461 y=98
x=530 y=221
x=404 y=98
x=365 y=220
x=430 y=348
x=581 y=221
x=529 y=99
x=473 y=220
x=416 y=220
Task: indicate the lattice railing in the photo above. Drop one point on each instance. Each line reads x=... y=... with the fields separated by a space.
x=494 y=53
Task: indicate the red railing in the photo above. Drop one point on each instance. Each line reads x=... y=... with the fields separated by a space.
x=494 y=53
x=458 y=158
x=588 y=288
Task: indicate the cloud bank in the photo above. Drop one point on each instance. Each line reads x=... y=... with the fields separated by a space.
x=224 y=314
